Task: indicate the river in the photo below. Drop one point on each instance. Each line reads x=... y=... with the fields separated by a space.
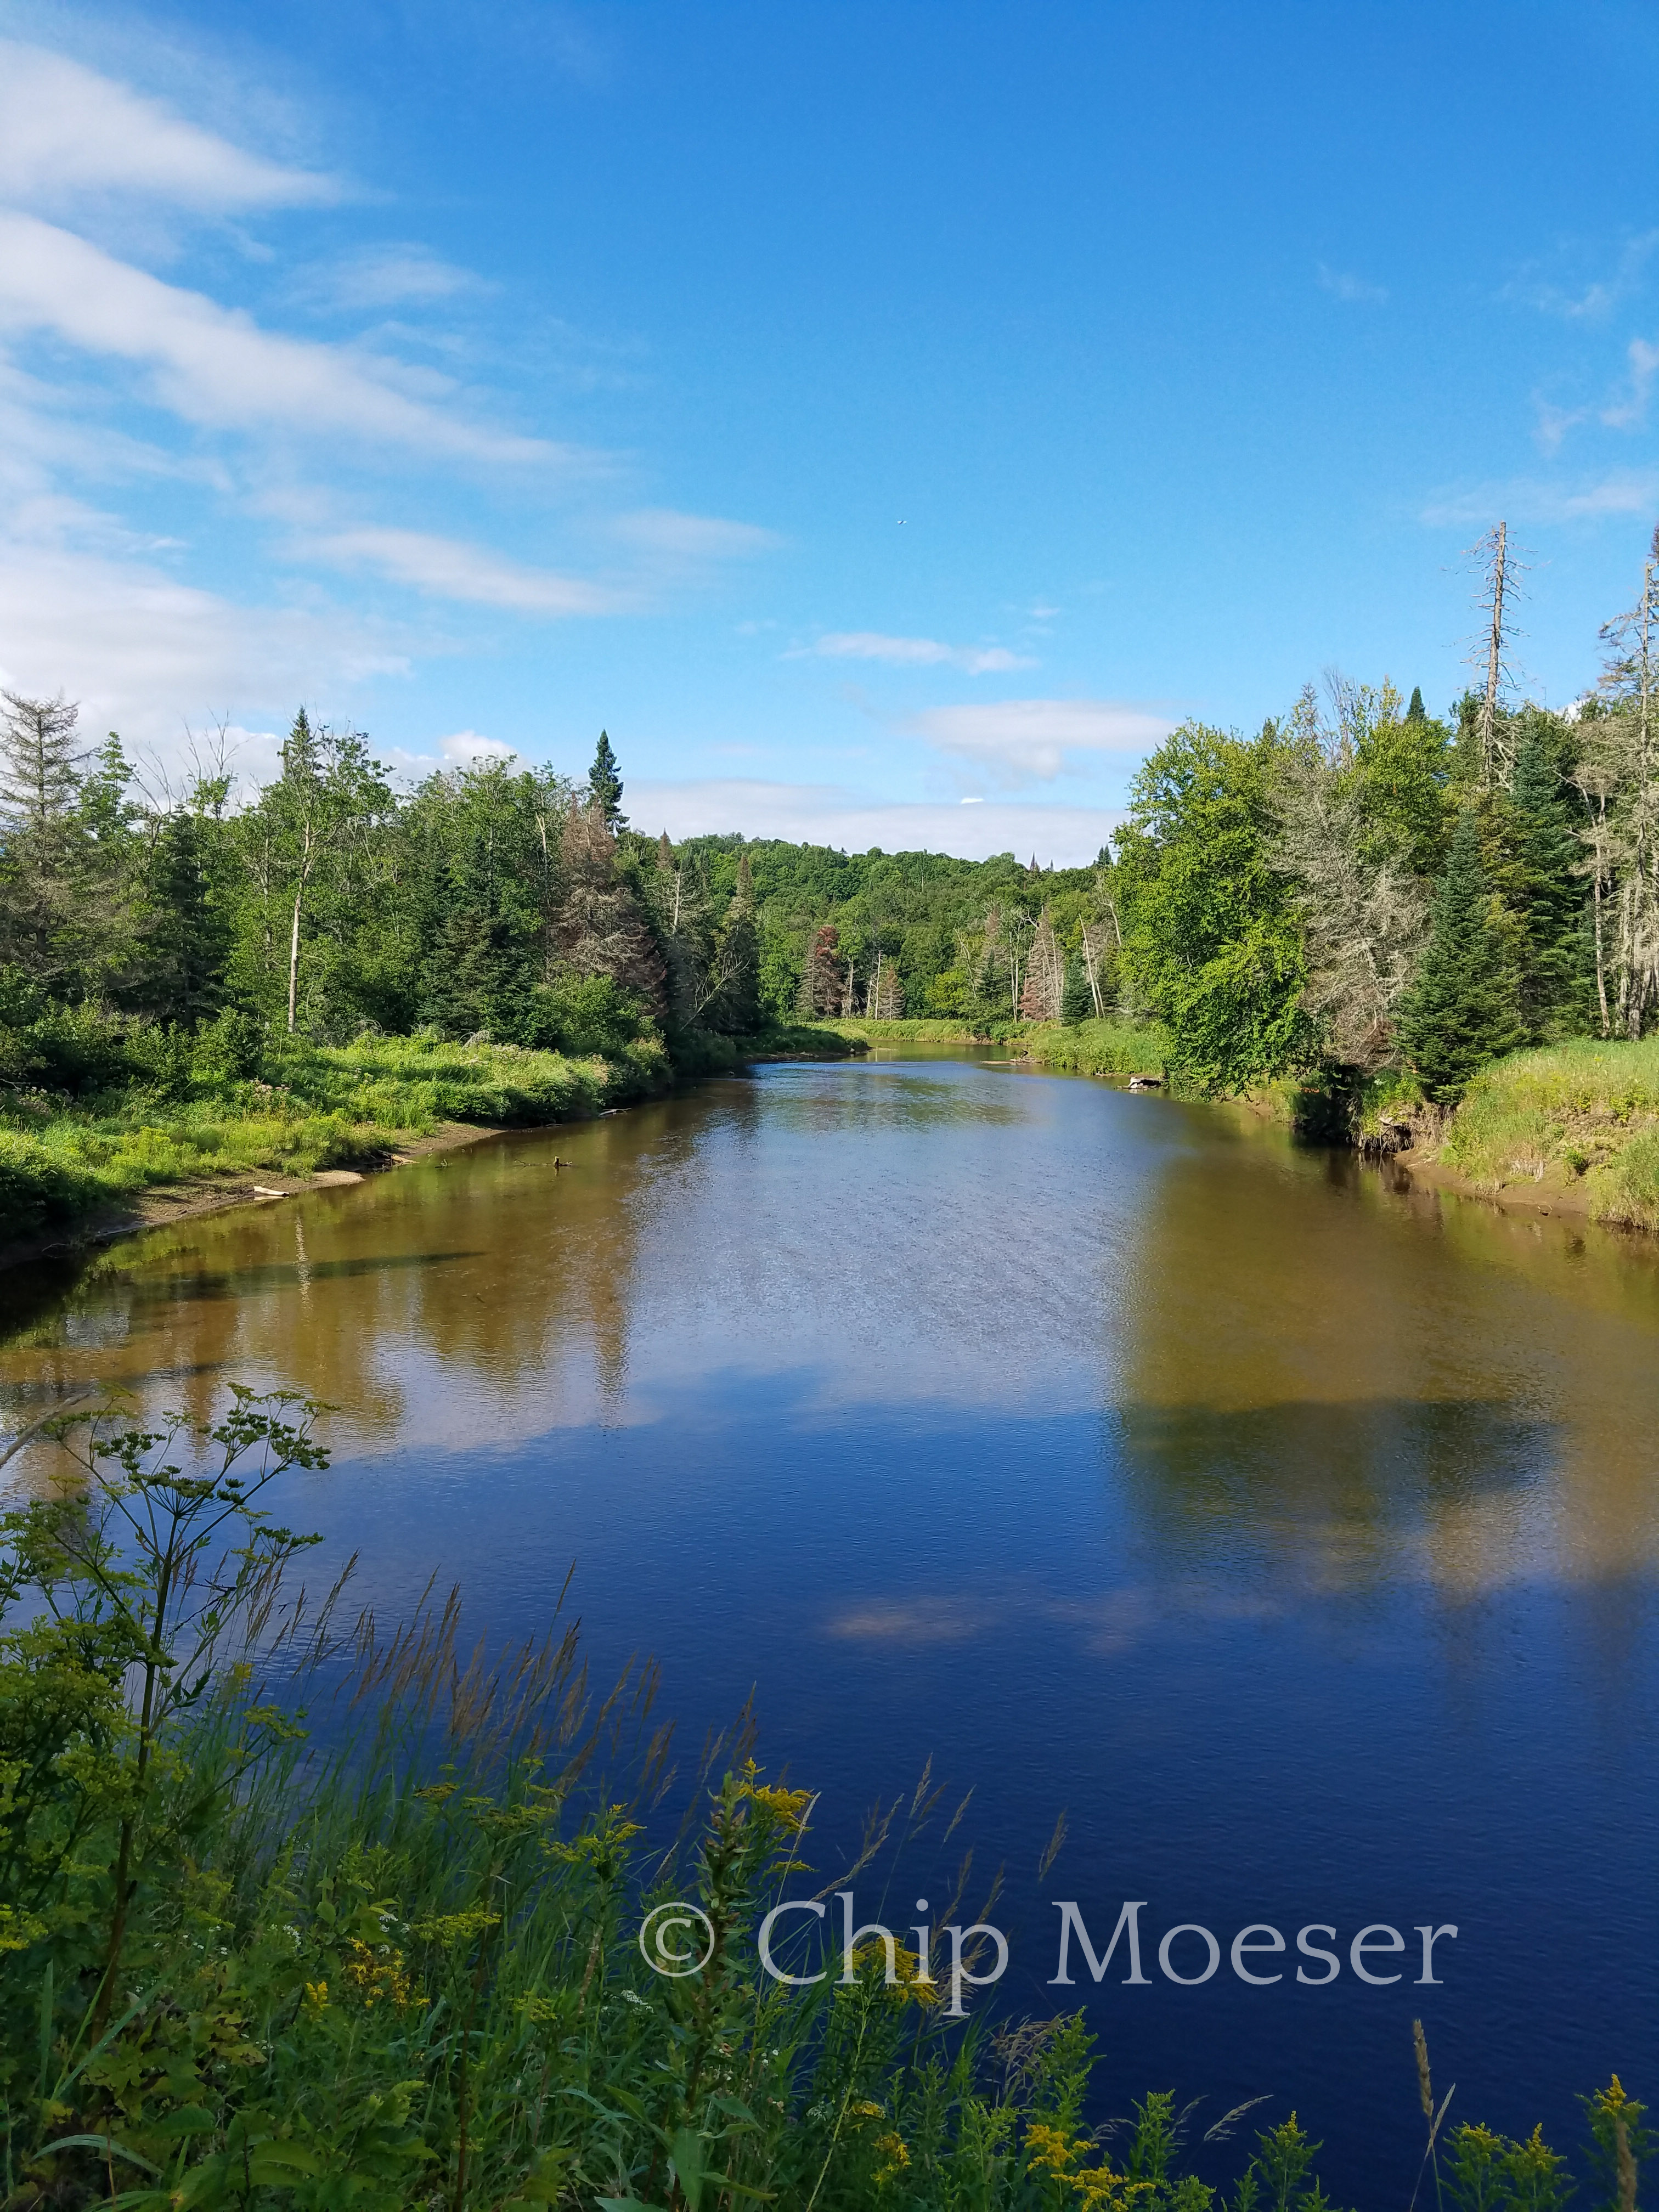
x=1294 y=1533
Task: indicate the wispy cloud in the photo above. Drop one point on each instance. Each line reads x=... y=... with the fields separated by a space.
x=68 y=134
x=1630 y=410
x=662 y=532
x=829 y=814
x=1580 y=301
x=450 y=569
x=380 y=277
x=1342 y=284
x=917 y=653
x=215 y=366
x=1020 y=742
x=145 y=652
x=1523 y=499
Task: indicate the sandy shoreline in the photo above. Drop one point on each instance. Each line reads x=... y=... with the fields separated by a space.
x=170 y=1202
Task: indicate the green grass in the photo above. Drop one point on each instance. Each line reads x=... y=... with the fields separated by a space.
x=1108 y=1048
x=316 y=1107
x=323 y=1107
x=1094 y=1047
x=906 y=1032
x=1585 y=1109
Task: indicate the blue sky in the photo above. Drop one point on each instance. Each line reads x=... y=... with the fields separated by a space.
x=886 y=421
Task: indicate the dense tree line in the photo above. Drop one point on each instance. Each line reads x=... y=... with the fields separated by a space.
x=1358 y=885
x=491 y=899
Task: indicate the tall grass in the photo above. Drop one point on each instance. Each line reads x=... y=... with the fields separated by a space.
x=185 y=1112
x=1587 y=1108
x=1103 y=1048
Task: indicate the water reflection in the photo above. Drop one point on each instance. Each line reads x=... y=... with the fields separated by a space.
x=1283 y=1523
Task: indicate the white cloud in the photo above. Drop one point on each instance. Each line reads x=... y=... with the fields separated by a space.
x=214 y=366
x=66 y=133
x=467 y=745
x=1529 y=500
x=1017 y=742
x=825 y=814
x=378 y=276
x=1629 y=412
x=449 y=568
x=147 y=655
x=1585 y=302
x=662 y=532
x=1342 y=285
x=918 y=652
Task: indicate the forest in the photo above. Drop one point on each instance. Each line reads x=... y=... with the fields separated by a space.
x=1375 y=900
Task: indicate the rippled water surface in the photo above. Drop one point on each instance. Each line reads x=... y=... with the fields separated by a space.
x=1296 y=1535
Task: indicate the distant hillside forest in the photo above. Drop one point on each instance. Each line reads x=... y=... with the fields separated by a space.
x=1358 y=885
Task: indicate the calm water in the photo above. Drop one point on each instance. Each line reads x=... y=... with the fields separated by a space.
x=1295 y=1535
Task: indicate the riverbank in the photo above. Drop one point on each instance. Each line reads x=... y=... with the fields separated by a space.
x=1570 y=1129
x=1105 y=1048
x=82 y=1169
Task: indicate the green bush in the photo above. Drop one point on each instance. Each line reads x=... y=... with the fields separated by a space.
x=581 y=1015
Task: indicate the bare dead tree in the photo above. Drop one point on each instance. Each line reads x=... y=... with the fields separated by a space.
x=1363 y=918
x=1043 y=996
x=1619 y=776
x=1499 y=569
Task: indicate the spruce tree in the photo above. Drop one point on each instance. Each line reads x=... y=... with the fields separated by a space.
x=605 y=785
x=41 y=911
x=737 y=1010
x=1556 y=983
x=1417 y=712
x=1460 y=1012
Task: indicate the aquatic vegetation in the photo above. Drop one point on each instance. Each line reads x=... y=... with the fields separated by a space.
x=299 y=1913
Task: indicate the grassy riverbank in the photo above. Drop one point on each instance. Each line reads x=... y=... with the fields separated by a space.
x=1578 y=1118
x=241 y=1966
x=158 y=1112
x=1105 y=1048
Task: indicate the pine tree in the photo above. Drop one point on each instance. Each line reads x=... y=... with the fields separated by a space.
x=1547 y=893
x=1460 y=1012
x=604 y=786
x=600 y=929
x=738 y=1009
x=822 y=985
x=185 y=937
x=1417 y=712
x=40 y=781
x=1077 y=1003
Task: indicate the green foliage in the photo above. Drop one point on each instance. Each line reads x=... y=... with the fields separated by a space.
x=1210 y=941
x=1545 y=889
x=1489 y=2172
x=1461 y=1009
x=605 y=784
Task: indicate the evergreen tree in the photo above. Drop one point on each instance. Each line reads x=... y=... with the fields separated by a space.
x=821 y=985
x=1078 y=1002
x=1460 y=1012
x=185 y=944
x=1417 y=712
x=39 y=782
x=600 y=927
x=1548 y=893
x=737 y=1010
x=604 y=786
